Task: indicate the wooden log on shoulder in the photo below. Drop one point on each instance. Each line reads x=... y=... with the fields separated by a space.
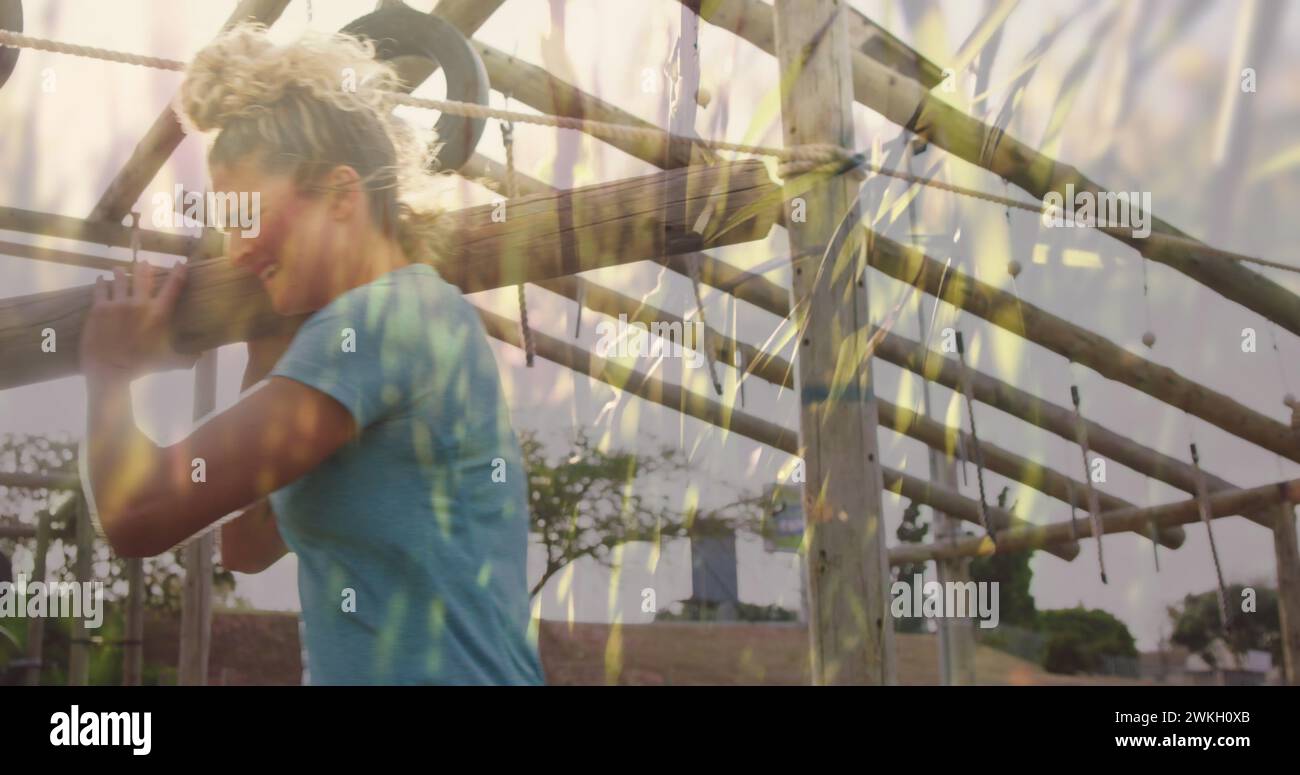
x=540 y=237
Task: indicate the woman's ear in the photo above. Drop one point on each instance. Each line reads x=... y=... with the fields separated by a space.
x=344 y=192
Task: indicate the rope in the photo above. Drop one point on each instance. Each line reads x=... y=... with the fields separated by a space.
x=693 y=265
x=135 y=237
x=1149 y=336
x=1094 y=504
x=512 y=191
x=1202 y=498
x=798 y=158
x=975 y=439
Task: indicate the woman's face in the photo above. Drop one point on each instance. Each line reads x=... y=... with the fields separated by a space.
x=295 y=252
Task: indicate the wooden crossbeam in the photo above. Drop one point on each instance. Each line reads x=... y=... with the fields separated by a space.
x=1079 y=345
x=1002 y=461
x=165 y=134
x=99 y=232
x=1049 y=416
x=541 y=237
x=692 y=404
x=909 y=104
x=1222 y=504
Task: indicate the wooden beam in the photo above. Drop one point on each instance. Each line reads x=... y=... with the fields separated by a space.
x=166 y=133
x=909 y=104
x=852 y=636
x=65 y=257
x=110 y=234
x=1079 y=345
x=196 y=558
x=133 y=649
x=754 y=22
x=935 y=367
x=79 y=649
x=609 y=224
x=1036 y=475
x=771 y=297
x=467 y=15
x=1288 y=589
x=898 y=419
x=539 y=89
x=36 y=627
x=690 y=403
x=1223 y=504
x=752 y=288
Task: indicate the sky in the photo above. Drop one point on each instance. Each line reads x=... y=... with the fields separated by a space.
x=1142 y=118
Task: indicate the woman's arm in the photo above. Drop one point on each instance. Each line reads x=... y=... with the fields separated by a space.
x=251 y=542
x=147 y=498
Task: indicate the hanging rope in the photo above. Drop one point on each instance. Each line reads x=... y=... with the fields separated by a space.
x=512 y=191
x=705 y=345
x=1203 y=503
x=1149 y=336
x=135 y=237
x=1094 y=504
x=964 y=378
x=1155 y=532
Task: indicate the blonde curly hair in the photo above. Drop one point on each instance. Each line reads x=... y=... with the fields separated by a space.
x=308 y=106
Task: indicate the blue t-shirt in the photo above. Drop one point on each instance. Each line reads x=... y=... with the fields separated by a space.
x=411 y=538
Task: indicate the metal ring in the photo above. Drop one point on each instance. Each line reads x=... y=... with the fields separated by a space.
x=403 y=31
x=11 y=19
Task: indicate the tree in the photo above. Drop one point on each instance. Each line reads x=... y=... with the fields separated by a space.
x=58 y=455
x=1012 y=572
x=911 y=531
x=586 y=504
x=1080 y=640
x=1197 y=626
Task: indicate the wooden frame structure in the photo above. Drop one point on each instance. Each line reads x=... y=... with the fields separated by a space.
x=830 y=56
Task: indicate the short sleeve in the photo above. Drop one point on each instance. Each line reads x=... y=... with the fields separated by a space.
x=358 y=351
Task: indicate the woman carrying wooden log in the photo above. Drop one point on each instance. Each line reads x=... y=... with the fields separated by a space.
x=375 y=443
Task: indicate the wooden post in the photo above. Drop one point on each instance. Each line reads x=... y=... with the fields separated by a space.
x=956 y=636
x=196 y=601
x=36 y=626
x=79 y=651
x=848 y=575
x=1288 y=590
x=133 y=652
